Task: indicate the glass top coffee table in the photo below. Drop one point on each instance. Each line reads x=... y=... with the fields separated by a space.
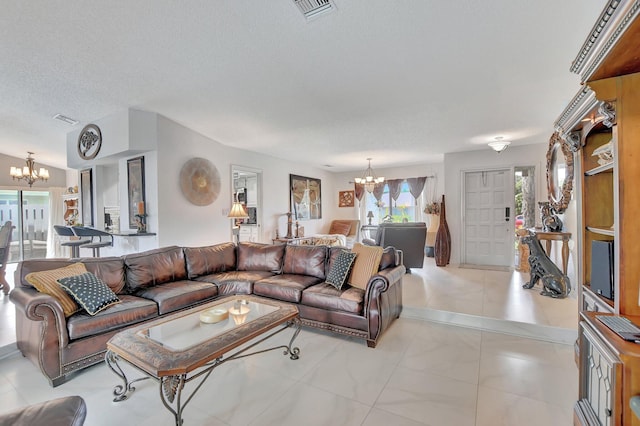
x=188 y=345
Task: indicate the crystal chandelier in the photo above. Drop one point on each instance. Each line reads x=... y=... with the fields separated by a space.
x=369 y=180
x=29 y=172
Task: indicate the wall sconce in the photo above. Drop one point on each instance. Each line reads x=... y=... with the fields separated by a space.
x=499 y=145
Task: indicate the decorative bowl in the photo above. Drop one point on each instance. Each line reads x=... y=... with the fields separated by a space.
x=212 y=316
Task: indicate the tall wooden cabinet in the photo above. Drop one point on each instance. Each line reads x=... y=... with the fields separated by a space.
x=607 y=109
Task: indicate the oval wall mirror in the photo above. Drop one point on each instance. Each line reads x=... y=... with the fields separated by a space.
x=559 y=173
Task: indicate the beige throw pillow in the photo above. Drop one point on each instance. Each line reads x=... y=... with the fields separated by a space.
x=47 y=282
x=366 y=264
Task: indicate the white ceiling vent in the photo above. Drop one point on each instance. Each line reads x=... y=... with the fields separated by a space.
x=313 y=8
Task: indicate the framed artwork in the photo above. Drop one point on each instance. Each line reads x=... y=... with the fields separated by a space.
x=346 y=198
x=86 y=194
x=305 y=197
x=135 y=185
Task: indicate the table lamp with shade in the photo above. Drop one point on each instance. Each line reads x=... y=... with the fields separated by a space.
x=370 y=216
x=237 y=212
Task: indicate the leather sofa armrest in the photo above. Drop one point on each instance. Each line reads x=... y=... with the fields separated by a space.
x=41 y=307
x=380 y=283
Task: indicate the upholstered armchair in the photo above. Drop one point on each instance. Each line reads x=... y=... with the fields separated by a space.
x=410 y=238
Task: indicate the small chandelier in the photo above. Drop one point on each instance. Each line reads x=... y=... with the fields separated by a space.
x=369 y=179
x=29 y=172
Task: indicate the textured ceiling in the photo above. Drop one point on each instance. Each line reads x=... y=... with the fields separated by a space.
x=400 y=81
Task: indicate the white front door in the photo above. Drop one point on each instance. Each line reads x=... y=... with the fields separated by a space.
x=488 y=218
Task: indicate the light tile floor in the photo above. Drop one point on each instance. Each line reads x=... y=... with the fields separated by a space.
x=421 y=373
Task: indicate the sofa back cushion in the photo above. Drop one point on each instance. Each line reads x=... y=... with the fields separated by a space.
x=154 y=267
x=109 y=269
x=210 y=259
x=305 y=260
x=260 y=257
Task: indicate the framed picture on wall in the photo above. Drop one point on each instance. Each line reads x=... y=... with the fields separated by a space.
x=346 y=198
x=135 y=185
x=305 y=197
x=86 y=194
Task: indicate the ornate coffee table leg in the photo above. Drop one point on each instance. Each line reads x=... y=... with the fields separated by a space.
x=121 y=392
x=289 y=349
x=170 y=391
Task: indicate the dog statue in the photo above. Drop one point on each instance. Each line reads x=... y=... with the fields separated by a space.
x=554 y=283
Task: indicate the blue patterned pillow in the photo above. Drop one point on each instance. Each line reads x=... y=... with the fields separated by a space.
x=341 y=269
x=89 y=291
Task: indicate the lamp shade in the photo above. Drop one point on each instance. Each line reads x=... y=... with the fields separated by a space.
x=238 y=211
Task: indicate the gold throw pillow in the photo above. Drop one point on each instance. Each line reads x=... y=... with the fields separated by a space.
x=47 y=282
x=366 y=264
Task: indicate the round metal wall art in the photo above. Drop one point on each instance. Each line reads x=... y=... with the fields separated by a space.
x=89 y=142
x=200 y=181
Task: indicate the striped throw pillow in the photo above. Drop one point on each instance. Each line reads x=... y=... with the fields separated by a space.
x=47 y=282
x=366 y=264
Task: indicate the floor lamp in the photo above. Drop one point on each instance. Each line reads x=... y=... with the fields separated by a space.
x=236 y=213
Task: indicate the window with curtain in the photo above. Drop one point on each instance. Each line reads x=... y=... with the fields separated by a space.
x=402 y=209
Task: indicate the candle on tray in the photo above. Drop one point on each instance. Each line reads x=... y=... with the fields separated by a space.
x=140 y=207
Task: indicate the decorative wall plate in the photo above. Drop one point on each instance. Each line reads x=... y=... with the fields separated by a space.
x=89 y=142
x=200 y=181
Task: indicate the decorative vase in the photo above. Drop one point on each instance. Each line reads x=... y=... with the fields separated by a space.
x=443 y=239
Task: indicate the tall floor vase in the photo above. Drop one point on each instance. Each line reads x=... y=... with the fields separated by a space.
x=443 y=239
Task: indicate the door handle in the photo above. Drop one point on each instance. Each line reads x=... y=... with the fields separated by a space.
x=507 y=214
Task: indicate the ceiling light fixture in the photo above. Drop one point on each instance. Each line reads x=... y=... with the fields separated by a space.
x=499 y=145
x=29 y=172
x=369 y=180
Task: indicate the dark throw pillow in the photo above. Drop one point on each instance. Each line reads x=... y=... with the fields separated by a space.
x=89 y=291
x=341 y=269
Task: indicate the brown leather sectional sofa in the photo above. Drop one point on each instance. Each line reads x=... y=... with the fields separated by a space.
x=161 y=281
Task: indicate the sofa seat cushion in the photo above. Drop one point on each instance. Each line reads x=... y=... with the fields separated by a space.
x=179 y=294
x=235 y=282
x=285 y=287
x=129 y=311
x=326 y=296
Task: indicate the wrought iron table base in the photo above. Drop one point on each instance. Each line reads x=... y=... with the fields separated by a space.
x=171 y=386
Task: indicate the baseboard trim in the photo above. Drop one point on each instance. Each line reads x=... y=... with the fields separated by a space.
x=8 y=351
x=531 y=331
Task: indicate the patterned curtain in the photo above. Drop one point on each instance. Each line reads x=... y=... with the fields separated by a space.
x=378 y=190
x=359 y=189
x=394 y=188
x=416 y=185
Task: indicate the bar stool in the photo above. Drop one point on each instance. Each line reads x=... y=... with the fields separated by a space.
x=94 y=244
x=66 y=231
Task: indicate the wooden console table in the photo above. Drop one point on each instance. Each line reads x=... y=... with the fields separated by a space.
x=547 y=237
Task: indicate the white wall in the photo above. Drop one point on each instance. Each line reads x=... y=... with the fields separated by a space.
x=180 y=222
x=514 y=156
